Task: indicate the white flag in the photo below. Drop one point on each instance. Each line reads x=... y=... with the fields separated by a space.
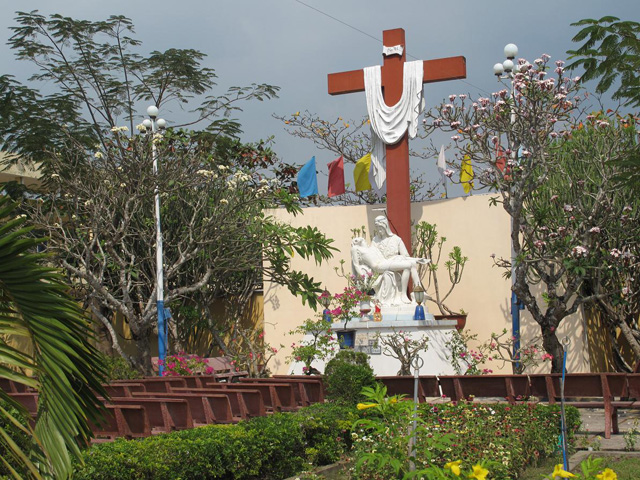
x=442 y=164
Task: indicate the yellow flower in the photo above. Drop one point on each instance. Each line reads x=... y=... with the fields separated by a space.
x=454 y=467
x=558 y=471
x=607 y=474
x=479 y=473
x=364 y=406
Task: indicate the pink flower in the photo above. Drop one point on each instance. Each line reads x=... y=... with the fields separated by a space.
x=547 y=356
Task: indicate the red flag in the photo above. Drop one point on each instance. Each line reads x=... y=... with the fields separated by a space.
x=501 y=158
x=336 y=177
x=501 y=162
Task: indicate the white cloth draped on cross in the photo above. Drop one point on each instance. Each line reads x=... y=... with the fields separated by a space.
x=389 y=123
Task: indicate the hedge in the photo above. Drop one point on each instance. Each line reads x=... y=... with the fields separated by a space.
x=273 y=447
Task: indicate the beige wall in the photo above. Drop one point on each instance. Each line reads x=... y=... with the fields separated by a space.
x=469 y=222
x=22 y=172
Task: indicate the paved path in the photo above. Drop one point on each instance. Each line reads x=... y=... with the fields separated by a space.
x=593 y=426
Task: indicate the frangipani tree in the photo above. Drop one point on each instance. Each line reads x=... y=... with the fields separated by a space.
x=97 y=204
x=520 y=143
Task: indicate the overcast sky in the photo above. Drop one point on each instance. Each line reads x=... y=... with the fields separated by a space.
x=289 y=44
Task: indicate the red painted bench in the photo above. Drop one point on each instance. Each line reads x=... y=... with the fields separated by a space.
x=245 y=402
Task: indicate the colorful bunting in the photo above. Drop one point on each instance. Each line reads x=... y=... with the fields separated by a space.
x=307 y=179
x=336 y=177
x=466 y=174
x=361 y=173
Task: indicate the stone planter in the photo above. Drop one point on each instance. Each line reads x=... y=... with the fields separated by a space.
x=459 y=318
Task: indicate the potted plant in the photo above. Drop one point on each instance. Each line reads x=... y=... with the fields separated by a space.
x=361 y=285
x=429 y=245
x=318 y=344
x=345 y=304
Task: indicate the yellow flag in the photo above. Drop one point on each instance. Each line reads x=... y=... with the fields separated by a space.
x=466 y=174
x=361 y=173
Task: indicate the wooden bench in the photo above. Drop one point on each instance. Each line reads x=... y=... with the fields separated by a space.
x=165 y=414
x=306 y=390
x=123 y=389
x=511 y=388
x=224 y=370
x=245 y=402
x=205 y=408
x=9 y=386
x=277 y=397
x=581 y=390
x=29 y=400
x=127 y=421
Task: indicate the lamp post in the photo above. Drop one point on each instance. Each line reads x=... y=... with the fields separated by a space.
x=325 y=301
x=418 y=295
x=505 y=71
x=153 y=123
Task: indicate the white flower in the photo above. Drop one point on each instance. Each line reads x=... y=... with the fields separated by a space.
x=224 y=201
x=568 y=208
x=98 y=155
x=55 y=175
x=119 y=129
x=141 y=128
x=579 y=251
x=594 y=230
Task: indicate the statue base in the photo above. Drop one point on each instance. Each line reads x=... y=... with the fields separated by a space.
x=403 y=313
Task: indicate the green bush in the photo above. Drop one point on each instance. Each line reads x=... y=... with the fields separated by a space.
x=119 y=369
x=346 y=375
x=272 y=447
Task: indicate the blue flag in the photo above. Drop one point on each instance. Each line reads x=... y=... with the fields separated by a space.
x=307 y=179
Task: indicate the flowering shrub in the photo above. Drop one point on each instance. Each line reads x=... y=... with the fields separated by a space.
x=401 y=346
x=345 y=304
x=250 y=353
x=319 y=347
x=591 y=470
x=183 y=364
x=502 y=438
x=499 y=348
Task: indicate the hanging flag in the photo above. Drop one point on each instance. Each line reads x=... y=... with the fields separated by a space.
x=336 y=177
x=442 y=166
x=501 y=158
x=307 y=179
x=466 y=174
x=361 y=173
x=442 y=163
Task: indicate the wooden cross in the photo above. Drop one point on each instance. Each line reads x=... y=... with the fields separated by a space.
x=452 y=68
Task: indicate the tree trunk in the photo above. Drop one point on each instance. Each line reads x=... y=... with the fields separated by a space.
x=552 y=346
x=628 y=335
x=142 y=359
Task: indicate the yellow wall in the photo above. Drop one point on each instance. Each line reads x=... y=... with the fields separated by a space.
x=468 y=222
